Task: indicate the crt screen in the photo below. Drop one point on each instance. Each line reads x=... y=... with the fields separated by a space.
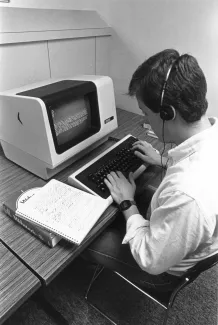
x=71 y=119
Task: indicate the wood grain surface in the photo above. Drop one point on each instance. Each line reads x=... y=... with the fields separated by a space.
x=44 y=261
x=17 y=283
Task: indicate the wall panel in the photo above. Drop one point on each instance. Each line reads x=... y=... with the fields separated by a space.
x=72 y=56
x=103 y=55
x=23 y=63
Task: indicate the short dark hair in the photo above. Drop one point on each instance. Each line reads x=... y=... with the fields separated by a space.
x=186 y=86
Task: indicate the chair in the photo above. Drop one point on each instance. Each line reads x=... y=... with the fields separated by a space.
x=165 y=299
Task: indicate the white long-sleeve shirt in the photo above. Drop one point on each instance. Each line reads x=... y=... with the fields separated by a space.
x=183 y=226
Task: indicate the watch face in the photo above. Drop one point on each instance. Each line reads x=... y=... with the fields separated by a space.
x=126 y=204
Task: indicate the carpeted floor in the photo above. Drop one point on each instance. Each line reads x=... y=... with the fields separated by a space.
x=196 y=305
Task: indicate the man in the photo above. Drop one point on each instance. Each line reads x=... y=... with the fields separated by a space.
x=183 y=226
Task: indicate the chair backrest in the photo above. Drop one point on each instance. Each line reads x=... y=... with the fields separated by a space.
x=200 y=267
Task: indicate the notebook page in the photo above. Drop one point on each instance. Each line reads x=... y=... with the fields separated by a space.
x=64 y=209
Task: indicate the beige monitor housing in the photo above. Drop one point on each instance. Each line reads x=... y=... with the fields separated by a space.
x=25 y=131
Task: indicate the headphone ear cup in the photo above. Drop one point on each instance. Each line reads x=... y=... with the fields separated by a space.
x=167 y=113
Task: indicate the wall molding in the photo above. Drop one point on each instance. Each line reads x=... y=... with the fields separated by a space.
x=29 y=25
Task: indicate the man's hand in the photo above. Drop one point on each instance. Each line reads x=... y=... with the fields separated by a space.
x=120 y=187
x=146 y=152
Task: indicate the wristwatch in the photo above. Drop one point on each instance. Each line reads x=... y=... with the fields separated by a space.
x=126 y=204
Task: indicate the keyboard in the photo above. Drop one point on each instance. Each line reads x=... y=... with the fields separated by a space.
x=119 y=156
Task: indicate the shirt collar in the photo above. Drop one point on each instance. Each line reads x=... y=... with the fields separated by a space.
x=193 y=143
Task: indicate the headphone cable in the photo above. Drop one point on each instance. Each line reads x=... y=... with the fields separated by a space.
x=164 y=144
x=162 y=151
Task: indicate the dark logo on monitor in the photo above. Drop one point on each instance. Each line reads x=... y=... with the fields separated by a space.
x=108 y=119
x=18 y=117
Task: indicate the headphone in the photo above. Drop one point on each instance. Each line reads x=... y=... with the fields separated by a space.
x=167 y=112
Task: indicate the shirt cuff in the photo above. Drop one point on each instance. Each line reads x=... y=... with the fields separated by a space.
x=134 y=222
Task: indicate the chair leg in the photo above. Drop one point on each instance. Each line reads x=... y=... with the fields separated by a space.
x=101 y=312
x=97 y=272
x=166 y=317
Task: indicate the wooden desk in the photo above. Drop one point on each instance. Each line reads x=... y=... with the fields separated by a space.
x=17 y=283
x=45 y=262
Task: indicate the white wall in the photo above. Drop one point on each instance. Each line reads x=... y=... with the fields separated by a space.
x=144 y=27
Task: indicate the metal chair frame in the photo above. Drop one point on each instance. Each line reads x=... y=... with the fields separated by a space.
x=157 y=297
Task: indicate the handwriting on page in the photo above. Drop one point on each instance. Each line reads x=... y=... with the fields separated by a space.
x=64 y=210
x=63 y=206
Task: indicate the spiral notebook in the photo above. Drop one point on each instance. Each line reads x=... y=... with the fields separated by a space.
x=64 y=210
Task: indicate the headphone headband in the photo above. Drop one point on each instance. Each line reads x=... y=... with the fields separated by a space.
x=165 y=83
x=167 y=112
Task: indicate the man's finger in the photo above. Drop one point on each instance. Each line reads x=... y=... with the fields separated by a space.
x=141 y=142
x=113 y=174
x=120 y=174
x=143 y=157
x=111 y=178
x=108 y=184
x=131 y=179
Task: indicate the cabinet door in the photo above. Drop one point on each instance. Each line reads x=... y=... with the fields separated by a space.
x=22 y=64
x=71 y=57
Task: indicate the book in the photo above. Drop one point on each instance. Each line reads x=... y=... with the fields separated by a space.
x=21 y=197
x=64 y=210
